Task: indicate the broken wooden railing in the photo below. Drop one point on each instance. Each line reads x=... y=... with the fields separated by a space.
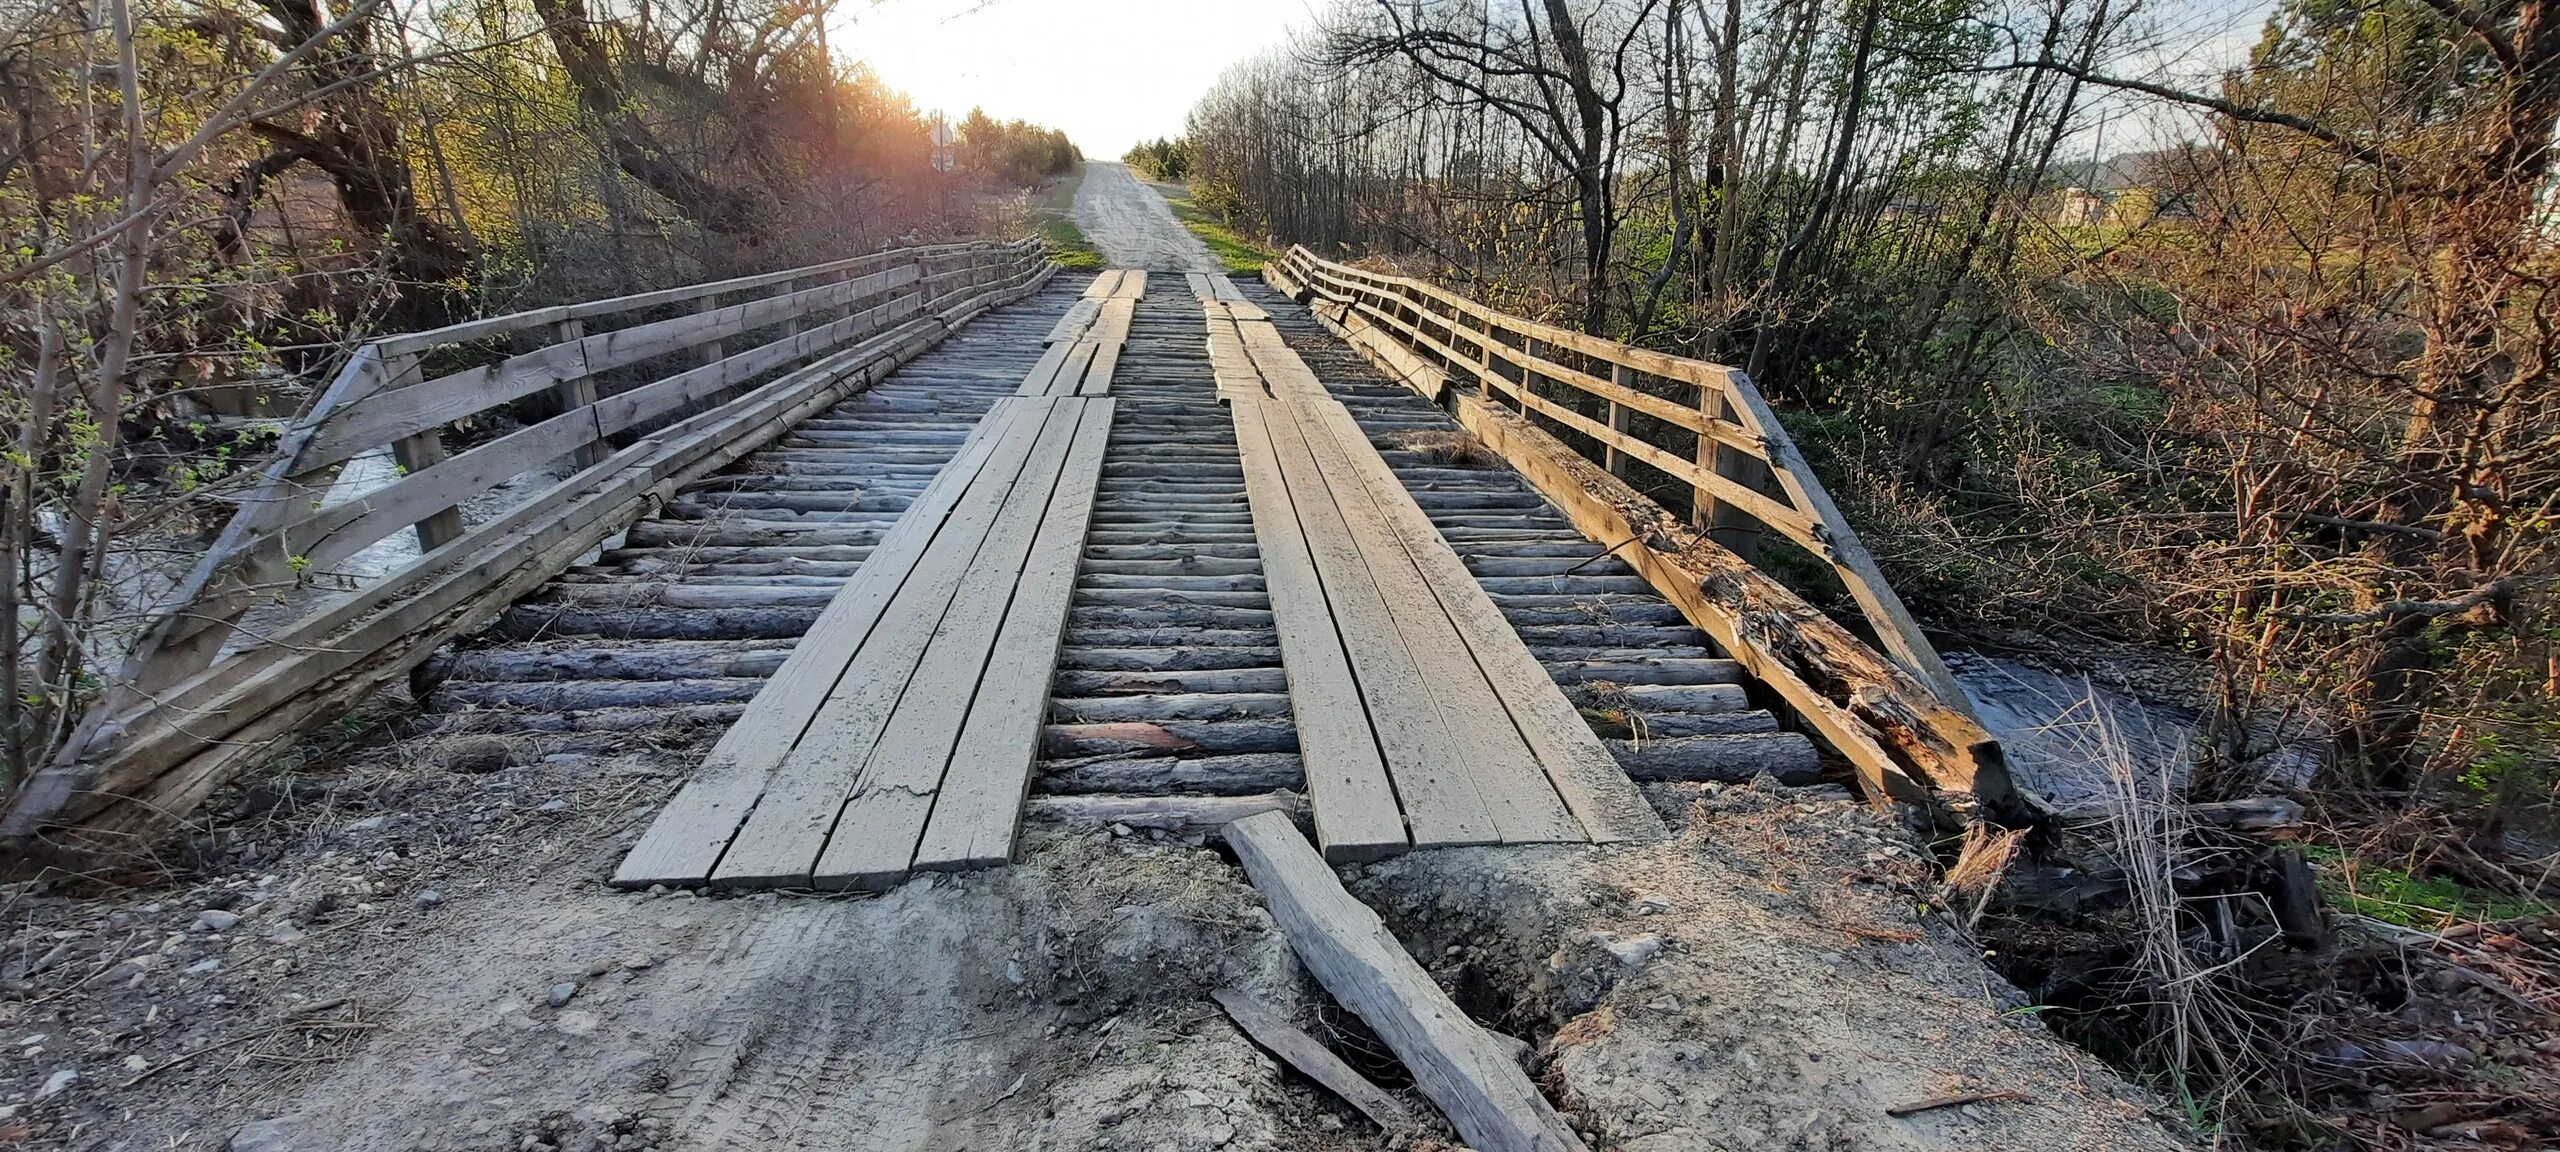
x=650 y=392
x=1586 y=419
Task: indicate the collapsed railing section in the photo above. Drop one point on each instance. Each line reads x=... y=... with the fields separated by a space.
x=1588 y=420
x=650 y=392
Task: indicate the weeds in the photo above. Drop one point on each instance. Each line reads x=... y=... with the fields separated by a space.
x=1241 y=256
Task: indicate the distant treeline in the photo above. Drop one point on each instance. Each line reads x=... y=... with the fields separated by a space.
x=1163 y=160
x=1014 y=151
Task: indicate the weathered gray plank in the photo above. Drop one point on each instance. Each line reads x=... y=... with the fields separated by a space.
x=1498 y=763
x=1357 y=816
x=688 y=837
x=1423 y=756
x=780 y=840
x=1071 y=327
x=874 y=839
x=1457 y=1063
x=1578 y=767
x=978 y=812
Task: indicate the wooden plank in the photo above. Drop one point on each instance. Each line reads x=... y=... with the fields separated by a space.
x=1097 y=376
x=416 y=454
x=1464 y=1069
x=402 y=412
x=874 y=839
x=1423 y=756
x=689 y=835
x=1132 y=285
x=1201 y=290
x=1357 y=817
x=1603 y=801
x=576 y=394
x=1267 y=1027
x=1498 y=762
x=781 y=838
x=978 y=813
x=1063 y=376
x=1105 y=285
x=1044 y=371
x=471 y=330
x=1071 y=327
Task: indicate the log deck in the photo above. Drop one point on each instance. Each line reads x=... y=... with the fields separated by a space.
x=1160 y=555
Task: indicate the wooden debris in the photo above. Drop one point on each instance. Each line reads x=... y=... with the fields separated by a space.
x=1460 y=1065
x=1932 y=1104
x=1271 y=1030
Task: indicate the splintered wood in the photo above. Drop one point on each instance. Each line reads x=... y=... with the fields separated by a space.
x=1423 y=720
x=901 y=732
x=1084 y=348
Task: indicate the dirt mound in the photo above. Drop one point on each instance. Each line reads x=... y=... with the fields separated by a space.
x=387 y=952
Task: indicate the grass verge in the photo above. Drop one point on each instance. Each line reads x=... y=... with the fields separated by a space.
x=1053 y=216
x=1241 y=256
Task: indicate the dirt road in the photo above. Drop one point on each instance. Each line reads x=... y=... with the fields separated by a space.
x=1133 y=227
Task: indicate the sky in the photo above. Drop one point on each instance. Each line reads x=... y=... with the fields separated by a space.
x=1109 y=72
x=1115 y=72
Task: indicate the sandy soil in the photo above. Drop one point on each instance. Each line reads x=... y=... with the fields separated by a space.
x=1133 y=227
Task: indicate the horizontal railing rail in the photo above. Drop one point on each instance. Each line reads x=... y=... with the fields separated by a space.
x=1668 y=426
x=647 y=392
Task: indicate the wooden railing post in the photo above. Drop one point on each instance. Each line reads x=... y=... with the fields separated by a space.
x=418 y=453
x=1619 y=422
x=1727 y=525
x=577 y=393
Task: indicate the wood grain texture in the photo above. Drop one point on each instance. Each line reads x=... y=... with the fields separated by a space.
x=978 y=812
x=1357 y=815
x=781 y=839
x=1287 y=1041
x=1463 y=1068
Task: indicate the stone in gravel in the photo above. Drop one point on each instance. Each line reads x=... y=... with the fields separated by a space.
x=260 y=1136
x=54 y=1084
x=1652 y=904
x=285 y=932
x=640 y=963
x=205 y=967
x=427 y=899
x=562 y=993
x=1634 y=950
x=217 y=920
x=553 y=805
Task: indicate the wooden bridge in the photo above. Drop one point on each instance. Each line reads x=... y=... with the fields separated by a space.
x=941 y=537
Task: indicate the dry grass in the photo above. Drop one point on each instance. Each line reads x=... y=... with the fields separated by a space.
x=1450 y=449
